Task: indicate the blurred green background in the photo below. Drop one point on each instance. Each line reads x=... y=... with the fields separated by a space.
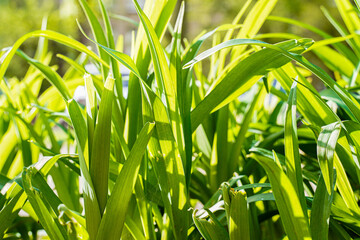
x=18 y=17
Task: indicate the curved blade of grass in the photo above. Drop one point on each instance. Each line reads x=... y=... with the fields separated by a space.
x=340 y=47
x=100 y=153
x=327 y=141
x=330 y=41
x=72 y=63
x=121 y=57
x=52 y=76
x=293 y=162
x=210 y=229
x=257 y=64
x=49 y=35
x=113 y=219
x=281 y=47
x=72 y=215
x=46 y=216
x=38 y=182
x=309 y=104
x=159 y=17
x=162 y=73
x=10 y=211
x=343 y=32
x=291 y=213
x=17 y=196
x=335 y=61
x=349 y=100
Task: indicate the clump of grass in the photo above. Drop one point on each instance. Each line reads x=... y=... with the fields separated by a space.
x=187 y=153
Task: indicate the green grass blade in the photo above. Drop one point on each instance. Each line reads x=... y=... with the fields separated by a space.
x=17 y=196
x=167 y=163
x=49 y=35
x=350 y=17
x=309 y=104
x=327 y=141
x=291 y=213
x=229 y=86
x=210 y=229
x=100 y=154
x=350 y=102
x=176 y=74
x=218 y=161
x=142 y=57
x=114 y=217
x=92 y=210
x=335 y=61
x=229 y=33
x=293 y=162
x=97 y=32
x=52 y=76
x=74 y=65
x=10 y=211
x=343 y=32
x=239 y=224
x=241 y=137
x=163 y=77
x=134 y=229
x=124 y=18
x=121 y=57
x=91 y=110
x=46 y=216
x=320 y=210
x=340 y=47
x=253 y=22
x=111 y=44
x=353 y=137
x=72 y=214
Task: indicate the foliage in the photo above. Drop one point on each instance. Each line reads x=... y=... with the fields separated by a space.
x=247 y=150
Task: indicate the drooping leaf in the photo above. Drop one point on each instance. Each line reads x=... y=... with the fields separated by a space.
x=292 y=216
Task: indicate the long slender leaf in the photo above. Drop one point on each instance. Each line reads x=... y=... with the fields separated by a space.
x=320 y=211
x=293 y=162
x=114 y=217
x=229 y=86
x=291 y=213
x=49 y=35
x=326 y=147
x=100 y=154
